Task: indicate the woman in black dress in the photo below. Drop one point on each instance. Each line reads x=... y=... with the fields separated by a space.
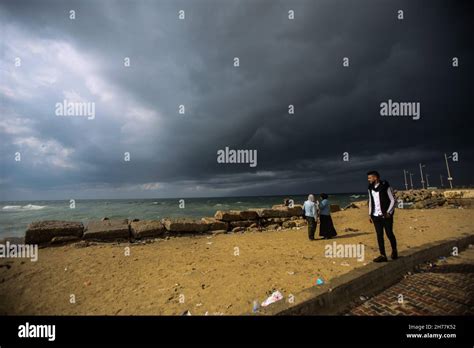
x=326 y=227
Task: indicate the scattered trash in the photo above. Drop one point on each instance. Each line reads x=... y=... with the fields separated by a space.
x=363 y=298
x=319 y=281
x=344 y=264
x=442 y=258
x=186 y=312
x=87 y=283
x=276 y=296
x=290 y=272
x=209 y=243
x=198 y=304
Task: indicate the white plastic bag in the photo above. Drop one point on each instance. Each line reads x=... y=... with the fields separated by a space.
x=276 y=296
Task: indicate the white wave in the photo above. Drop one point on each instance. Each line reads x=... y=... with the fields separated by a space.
x=33 y=207
x=23 y=208
x=12 y=207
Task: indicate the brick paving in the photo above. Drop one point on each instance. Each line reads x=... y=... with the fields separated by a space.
x=444 y=288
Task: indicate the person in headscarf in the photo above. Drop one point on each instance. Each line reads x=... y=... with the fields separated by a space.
x=311 y=211
x=326 y=226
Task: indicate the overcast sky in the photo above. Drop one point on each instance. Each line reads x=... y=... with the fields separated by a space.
x=191 y=62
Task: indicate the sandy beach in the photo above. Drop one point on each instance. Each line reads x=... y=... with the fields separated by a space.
x=220 y=274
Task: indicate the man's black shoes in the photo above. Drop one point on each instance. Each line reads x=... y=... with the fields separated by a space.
x=394 y=255
x=381 y=258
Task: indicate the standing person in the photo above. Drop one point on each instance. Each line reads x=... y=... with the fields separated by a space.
x=326 y=226
x=381 y=211
x=310 y=209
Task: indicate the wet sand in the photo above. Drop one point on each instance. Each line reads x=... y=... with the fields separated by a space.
x=220 y=274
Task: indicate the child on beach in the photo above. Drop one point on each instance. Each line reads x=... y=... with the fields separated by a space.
x=326 y=227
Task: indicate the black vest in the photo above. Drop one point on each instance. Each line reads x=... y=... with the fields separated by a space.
x=383 y=196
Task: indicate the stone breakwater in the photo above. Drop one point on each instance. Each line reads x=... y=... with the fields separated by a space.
x=425 y=199
x=110 y=230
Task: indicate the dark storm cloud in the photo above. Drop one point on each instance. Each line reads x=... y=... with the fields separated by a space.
x=189 y=62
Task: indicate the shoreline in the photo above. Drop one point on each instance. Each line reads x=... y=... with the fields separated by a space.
x=16 y=217
x=246 y=220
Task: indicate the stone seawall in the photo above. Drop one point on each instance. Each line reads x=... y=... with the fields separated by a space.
x=278 y=217
x=426 y=199
x=423 y=199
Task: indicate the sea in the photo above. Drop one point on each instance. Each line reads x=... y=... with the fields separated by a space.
x=15 y=216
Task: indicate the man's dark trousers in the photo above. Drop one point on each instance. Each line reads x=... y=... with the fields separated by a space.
x=311 y=227
x=382 y=223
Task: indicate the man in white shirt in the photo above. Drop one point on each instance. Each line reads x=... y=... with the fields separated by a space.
x=311 y=212
x=381 y=211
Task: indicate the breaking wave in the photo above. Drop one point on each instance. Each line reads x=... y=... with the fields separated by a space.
x=23 y=208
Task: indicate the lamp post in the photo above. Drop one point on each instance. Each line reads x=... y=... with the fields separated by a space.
x=421 y=174
x=427 y=182
x=405 y=177
x=411 y=180
x=450 y=178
